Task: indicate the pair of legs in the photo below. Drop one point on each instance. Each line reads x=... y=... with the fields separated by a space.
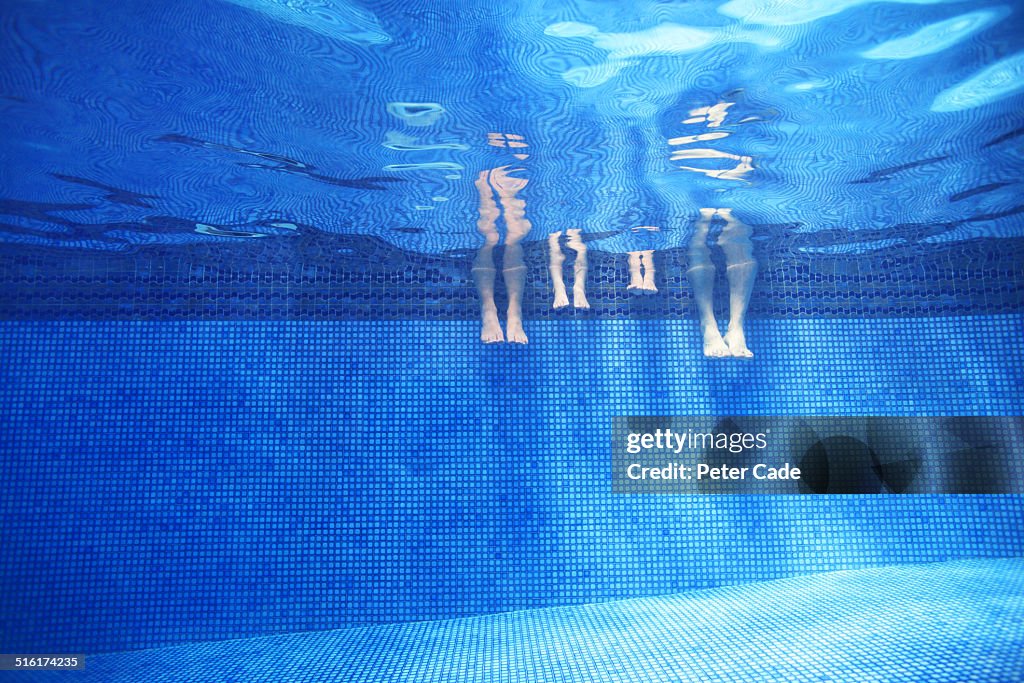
x=488 y=183
x=579 y=269
x=641 y=266
x=740 y=270
x=641 y=272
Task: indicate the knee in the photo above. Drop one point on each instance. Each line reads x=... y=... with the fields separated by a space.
x=747 y=264
x=490 y=237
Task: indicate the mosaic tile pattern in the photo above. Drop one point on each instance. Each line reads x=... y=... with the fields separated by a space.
x=952 y=621
x=176 y=482
x=364 y=278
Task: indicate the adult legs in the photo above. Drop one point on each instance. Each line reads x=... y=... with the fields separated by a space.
x=636 y=276
x=701 y=275
x=647 y=261
x=579 y=269
x=740 y=270
x=555 y=260
x=513 y=267
x=483 y=265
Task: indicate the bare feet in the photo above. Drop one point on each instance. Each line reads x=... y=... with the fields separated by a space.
x=648 y=283
x=490 y=330
x=516 y=335
x=647 y=261
x=737 y=343
x=714 y=345
x=636 y=276
x=579 y=297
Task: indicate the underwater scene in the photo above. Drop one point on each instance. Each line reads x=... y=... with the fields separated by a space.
x=352 y=340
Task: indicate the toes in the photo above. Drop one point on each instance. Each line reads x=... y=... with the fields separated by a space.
x=491 y=336
x=718 y=350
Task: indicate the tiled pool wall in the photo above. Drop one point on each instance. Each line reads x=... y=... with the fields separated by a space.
x=354 y=277
x=172 y=482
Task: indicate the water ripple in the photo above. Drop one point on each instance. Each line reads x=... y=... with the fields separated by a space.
x=324 y=115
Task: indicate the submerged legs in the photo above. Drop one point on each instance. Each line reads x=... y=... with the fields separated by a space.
x=647 y=261
x=641 y=272
x=513 y=267
x=579 y=268
x=483 y=264
x=555 y=261
x=740 y=270
x=514 y=272
x=702 y=278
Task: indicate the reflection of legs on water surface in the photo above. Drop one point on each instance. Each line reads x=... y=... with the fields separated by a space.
x=555 y=260
x=740 y=271
x=513 y=266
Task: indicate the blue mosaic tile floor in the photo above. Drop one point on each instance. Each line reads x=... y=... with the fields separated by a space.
x=237 y=480
x=953 y=621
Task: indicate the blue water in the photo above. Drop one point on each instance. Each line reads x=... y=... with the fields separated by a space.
x=244 y=246
x=133 y=125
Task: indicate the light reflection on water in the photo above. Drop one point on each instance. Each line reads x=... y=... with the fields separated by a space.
x=824 y=128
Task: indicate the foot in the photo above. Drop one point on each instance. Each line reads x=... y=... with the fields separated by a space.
x=490 y=330
x=636 y=285
x=714 y=345
x=649 y=286
x=579 y=298
x=516 y=335
x=737 y=343
x=561 y=299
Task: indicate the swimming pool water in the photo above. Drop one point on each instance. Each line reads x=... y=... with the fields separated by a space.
x=244 y=245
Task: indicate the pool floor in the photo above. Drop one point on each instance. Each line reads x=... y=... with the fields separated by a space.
x=949 y=621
